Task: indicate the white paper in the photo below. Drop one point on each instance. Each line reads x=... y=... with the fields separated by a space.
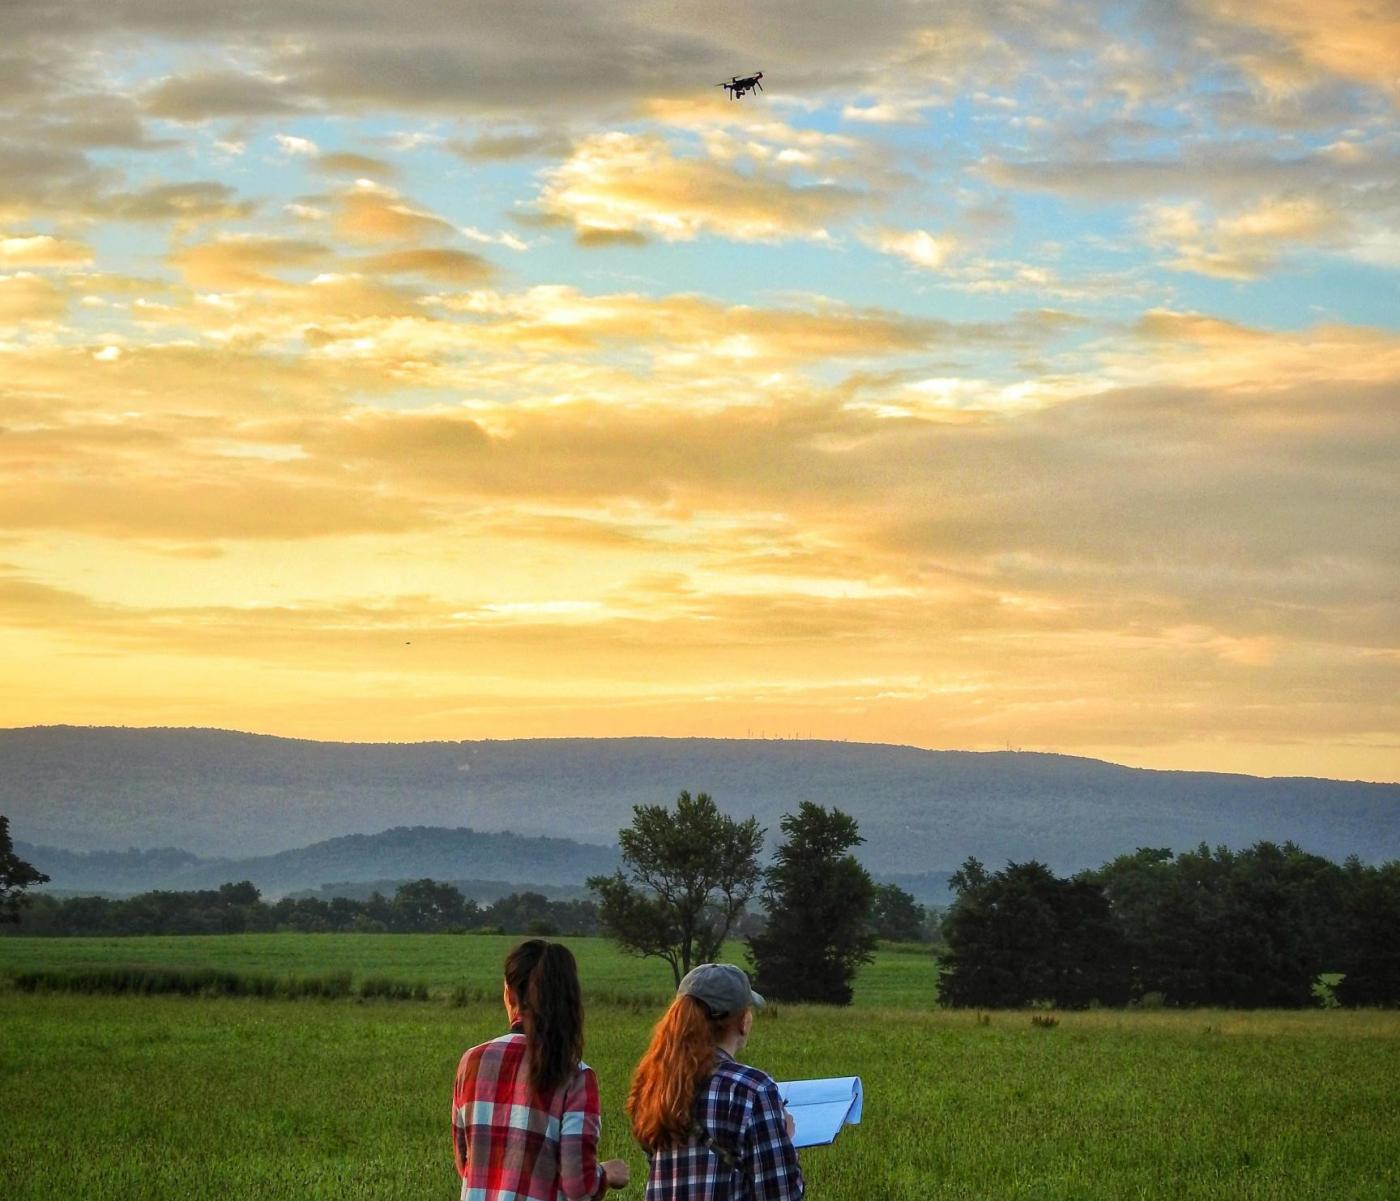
x=821 y=1107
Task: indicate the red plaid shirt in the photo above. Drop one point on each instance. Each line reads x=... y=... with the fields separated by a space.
x=510 y=1143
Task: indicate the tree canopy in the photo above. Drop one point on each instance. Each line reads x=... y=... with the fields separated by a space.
x=1023 y=935
x=896 y=915
x=819 y=900
x=686 y=875
x=1251 y=928
x=15 y=876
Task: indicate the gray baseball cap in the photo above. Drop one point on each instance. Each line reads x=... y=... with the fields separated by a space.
x=724 y=988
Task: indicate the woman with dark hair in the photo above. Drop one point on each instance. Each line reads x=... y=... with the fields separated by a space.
x=525 y=1117
x=713 y=1129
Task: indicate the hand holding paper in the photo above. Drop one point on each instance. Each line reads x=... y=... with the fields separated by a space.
x=821 y=1107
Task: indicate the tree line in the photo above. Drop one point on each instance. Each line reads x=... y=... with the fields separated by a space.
x=1254 y=928
x=417 y=907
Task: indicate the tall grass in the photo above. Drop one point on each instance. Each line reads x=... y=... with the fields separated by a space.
x=212 y=982
x=462 y=969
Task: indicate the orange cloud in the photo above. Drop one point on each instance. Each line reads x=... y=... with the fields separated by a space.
x=25 y=297
x=445 y=265
x=1243 y=244
x=244 y=262
x=1351 y=39
x=620 y=184
x=376 y=214
x=42 y=250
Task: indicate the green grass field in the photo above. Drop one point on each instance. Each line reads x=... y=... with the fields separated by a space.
x=900 y=977
x=161 y=1097
x=139 y=1097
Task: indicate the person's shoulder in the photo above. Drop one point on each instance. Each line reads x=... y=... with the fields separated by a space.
x=583 y=1077
x=745 y=1076
x=581 y=1089
x=495 y=1048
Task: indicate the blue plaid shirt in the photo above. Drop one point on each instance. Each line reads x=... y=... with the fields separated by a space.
x=740 y=1108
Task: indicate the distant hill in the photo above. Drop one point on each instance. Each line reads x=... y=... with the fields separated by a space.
x=239 y=795
x=484 y=892
x=358 y=861
x=555 y=867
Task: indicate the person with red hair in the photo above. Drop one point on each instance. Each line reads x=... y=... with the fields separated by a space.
x=713 y=1128
x=525 y=1116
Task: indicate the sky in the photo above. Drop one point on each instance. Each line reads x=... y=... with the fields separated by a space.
x=1008 y=373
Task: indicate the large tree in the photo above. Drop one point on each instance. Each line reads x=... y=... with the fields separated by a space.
x=431 y=906
x=15 y=876
x=686 y=875
x=819 y=901
x=897 y=915
x=1024 y=935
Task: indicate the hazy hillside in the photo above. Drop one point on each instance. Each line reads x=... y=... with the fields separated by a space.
x=225 y=794
x=511 y=861
x=354 y=866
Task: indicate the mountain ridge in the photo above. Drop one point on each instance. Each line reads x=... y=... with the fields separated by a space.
x=673 y=739
x=228 y=794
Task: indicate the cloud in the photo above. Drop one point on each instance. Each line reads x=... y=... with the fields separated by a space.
x=296 y=147
x=1349 y=40
x=25 y=297
x=689 y=330
x=44 y=179
x=210 y=508
x=624 y=184
x=917 y=247
x=1232 y=210
x=509 y=240
x=94 y=120
x=886 y=112
x=1222 y=514
x=357 y=165
x=211 y=94
x=821 y=486
x=197 y=201
x=1197 y=349
x=504 y=145
x=370 y=213
x=448 y=266
x=42 y=250
x=1245 y=244
x=1226 y=172
x=244 y=262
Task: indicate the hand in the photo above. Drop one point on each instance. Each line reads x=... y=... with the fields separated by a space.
x=617 y=1172
x=789 y=1122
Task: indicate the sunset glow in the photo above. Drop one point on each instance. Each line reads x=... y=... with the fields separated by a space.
x=1004 y=374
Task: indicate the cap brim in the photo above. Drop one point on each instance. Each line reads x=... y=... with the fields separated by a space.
x=758 y=1001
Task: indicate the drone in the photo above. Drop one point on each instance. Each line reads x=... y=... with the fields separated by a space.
x=738 y=85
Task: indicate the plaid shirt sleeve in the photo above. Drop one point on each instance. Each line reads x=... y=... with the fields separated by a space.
x=770 y=1159
x=465 y=1086
x=580 y=1175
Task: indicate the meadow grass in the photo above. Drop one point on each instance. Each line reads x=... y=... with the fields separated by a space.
x=444 y=964
x=164 y=1097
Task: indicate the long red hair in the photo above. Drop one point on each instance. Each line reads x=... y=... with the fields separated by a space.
x=679 y=1059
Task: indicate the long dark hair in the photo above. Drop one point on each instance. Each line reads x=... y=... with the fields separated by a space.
x=543 y=978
